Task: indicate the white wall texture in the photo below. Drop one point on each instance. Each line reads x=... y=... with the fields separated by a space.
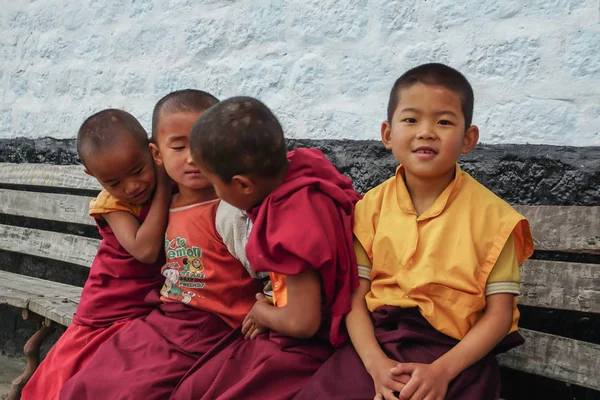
x=324 y=66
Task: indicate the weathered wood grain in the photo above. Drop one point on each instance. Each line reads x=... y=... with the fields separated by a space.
x=556 y=357
x=58 y=309
x=53 y=300
x=561 y=285
x=56 y=246
x=47 y=206
x=45 y=175
x=565 y=229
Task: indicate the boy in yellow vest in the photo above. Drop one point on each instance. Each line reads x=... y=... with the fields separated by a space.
x=438 y=256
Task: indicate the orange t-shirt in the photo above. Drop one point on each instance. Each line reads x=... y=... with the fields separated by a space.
x=199 y=269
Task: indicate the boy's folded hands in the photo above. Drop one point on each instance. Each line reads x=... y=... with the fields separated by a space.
x=427 y=381
x=386 y=382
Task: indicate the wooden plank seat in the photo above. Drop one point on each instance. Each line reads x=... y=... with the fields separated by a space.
x=61 y=194
x=45 y=198
x=51 y=300
x=560 y=285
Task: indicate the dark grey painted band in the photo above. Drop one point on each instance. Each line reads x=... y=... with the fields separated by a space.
x=520 y=174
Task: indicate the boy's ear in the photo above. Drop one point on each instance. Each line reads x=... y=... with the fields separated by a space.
x=244 y=184
x=155 y=154
x=386 y=134
x=471 y=139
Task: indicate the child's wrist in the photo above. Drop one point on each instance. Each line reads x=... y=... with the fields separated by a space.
x=446 y=369
x=371 y=362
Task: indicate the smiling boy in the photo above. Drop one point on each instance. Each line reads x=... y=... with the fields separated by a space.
x=438 y=257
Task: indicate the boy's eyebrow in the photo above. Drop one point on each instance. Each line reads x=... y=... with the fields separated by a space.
x=175 y=138
x=415 y=110
x=409 y=109
x=136 y=167
x=109 y=181
x=447 y=112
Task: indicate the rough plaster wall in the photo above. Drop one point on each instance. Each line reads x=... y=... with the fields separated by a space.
x=324 y=66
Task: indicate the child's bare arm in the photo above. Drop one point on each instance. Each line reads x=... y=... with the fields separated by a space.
x=144 y=241
x=432 y=379
x=301 y=317
x=362 y=335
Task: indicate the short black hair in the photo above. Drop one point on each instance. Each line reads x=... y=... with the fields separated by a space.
x=105 y=129
x=186 y=100
x=435 y=74
x=239 y=136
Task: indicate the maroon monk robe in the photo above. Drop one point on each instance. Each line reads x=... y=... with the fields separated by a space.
x=405 y=336
x=118 y=283
x=114 y=295
x=292 y=233
x=147 y=359
x=304 y=223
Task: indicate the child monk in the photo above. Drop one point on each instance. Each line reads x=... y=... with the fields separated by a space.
x=131 y=214
x=439 y=258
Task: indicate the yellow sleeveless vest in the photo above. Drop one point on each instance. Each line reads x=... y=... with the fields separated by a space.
x=440 y=260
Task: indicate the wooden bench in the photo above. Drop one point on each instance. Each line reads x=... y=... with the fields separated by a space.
x=61 y=194
x=560 y=285
x=38 y=203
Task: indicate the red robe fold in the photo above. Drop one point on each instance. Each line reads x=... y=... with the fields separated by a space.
x=307 y=223
x=118 y=283
x=114 y=295
x=147 y=359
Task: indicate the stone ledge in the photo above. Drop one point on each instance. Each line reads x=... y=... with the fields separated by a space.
x=520 y=174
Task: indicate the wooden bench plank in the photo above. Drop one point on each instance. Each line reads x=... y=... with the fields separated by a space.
x=52 y=245
x=57 y=309
x=37 y=286
x=565 y=229
x=45 y=175
x=46 y=206
x=14 y=297
x=52 y=300
x=560 y=285
x=556 y=357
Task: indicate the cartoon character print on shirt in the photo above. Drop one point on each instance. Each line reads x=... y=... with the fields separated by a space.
x=193 y=264
x=170 y=288
x=187 y=297
x=183 y=270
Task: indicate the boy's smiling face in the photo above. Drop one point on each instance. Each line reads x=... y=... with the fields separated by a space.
x=126 y=170
x=427 y=132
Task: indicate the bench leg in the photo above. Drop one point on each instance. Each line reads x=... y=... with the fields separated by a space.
x=32 y=357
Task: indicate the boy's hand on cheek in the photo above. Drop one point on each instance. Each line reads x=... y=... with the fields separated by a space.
x=386 y=383
x=162 y=178
x=251 y=327
x=427 y=381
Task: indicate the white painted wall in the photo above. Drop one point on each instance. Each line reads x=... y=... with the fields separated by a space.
x=324 y=66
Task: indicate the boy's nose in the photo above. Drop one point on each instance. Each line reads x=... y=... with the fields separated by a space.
x=427 y=133
x=132 y=187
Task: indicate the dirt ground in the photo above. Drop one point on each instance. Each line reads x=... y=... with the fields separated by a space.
x=10 y=368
